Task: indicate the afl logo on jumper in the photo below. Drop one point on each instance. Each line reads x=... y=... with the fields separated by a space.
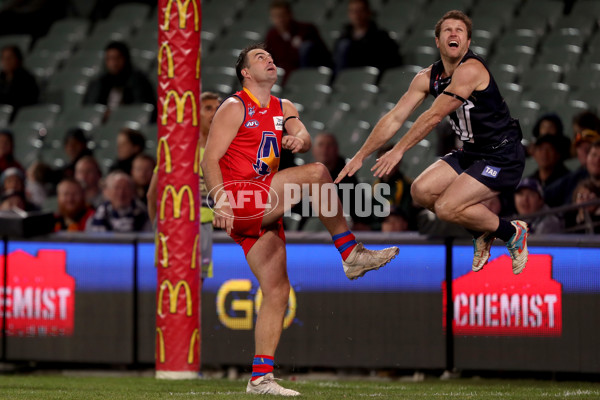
x=490 y=171
x=252 y=124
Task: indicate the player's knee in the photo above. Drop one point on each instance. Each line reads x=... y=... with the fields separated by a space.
x=420 y=194
x=320 y=172
x=445 y=211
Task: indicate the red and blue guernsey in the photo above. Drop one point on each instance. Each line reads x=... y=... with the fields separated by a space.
x=249 y=164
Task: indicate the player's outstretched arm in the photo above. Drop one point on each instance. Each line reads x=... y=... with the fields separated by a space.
x=390 y=123
x=297 y=139
x=466 y=78
x=223 y=130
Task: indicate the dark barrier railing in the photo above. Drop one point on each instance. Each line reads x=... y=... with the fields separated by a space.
x=92 y=298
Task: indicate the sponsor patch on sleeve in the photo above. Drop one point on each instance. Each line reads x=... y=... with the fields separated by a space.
x=490 y=171
x=278 y=121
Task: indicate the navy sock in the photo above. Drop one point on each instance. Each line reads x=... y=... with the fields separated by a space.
x=505 y=230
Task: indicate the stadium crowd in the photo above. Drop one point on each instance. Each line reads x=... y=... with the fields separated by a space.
x=86 y=193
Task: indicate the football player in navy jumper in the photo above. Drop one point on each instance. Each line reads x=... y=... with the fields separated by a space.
x=491 y=159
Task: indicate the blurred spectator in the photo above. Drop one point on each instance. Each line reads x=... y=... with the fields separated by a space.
x=587 y=217
x=400 y=198
x=363 y=43
x=547 y=155
x=325 y=150
x=561 y=192
x=294 y=44
x=73 y=212
x=39 y=183
x=121 y=83
x=32 y=17
x=17 y=85
x=76 y=147
x=130 y=143
x=122 y=212
x=551 y=124
x=397 y=221
x=529 y=199
x=7 y=157
x=585 y=120
x=88 y=174
x=13 y=200
x=12 y=179
x=141 y=172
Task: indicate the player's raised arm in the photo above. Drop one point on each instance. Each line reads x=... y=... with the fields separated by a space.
x=297 y=139
x=223 y=130
x=391 y=122
x=467 y=77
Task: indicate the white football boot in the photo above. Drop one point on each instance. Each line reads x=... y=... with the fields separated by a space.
x=361 y=260
x=266 y=385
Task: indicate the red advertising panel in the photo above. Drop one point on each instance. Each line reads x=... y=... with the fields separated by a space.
x=177 y=316
x=39 y=294
x=494 y=301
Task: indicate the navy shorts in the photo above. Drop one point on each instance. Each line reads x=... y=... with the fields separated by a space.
x=498 y=167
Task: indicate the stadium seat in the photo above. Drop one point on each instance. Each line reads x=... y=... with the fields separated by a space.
x=72 y=30
x=521 y=37
x=566 y=57
x=351 y=134
x=549 y=98
x=511 y=92
x=23 y=42
x=588 y=96
x=315 y=12
x=6 y=111
x=548 y=11
x=527 y=112
x=44 y=114
x=329 y=116
x=504 y=73
x=398 y=79
x=92 y=114
x=237 y=40
x=571 y=108
x=562 y=37
x=499 y=10
x=440 y=7
x=312 y=98
x=358 y=97
x=313 y=224
x=68 y=85
x=418 y=158
x=590 y=8
x=222 y=80
x=145 y=41
x=540 y=76
x=585 y=24
x=54 y=157
x=371 y=114
x=588 y=75
x=291 y=222
x=54 y=46
x=131 y=13
x=42 y=66
x=355 y=77
x=27 y=140
x=530 y=166
x=422 y=56
x=300 y=79
x=87 y=62
x=533 y=22
x=482 y=38
x=220 y=58
x=139 y=113
x=519 y=56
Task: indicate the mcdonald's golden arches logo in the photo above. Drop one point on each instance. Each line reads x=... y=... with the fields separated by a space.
x=198 y=62
x=177 y=198
x=166 y=49
x=182 y=9
x=162 y=244
x=163 y=146
x=174 y=296
x=195 y=338
x=180 y=102
x=160 y=340
x=195 y=252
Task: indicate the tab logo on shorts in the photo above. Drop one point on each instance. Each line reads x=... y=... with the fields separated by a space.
x=278 y=121
x=490 y=171
x=252 y=124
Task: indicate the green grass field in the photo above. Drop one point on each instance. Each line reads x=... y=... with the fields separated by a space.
x=115 y=388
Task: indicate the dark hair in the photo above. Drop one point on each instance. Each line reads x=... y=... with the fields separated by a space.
x=16 y=51
x=364 y=3
x=77 y=134
x=242 y=60
x=587 y=120
x=91 y=159
x=454 y=14
x=71 y=180
x=135 y=137
x=124 y=50
x=8 y=133
x=210 y=96
x=147 y=157
x=281 y=4
x=552 y=117
x=586 y=184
